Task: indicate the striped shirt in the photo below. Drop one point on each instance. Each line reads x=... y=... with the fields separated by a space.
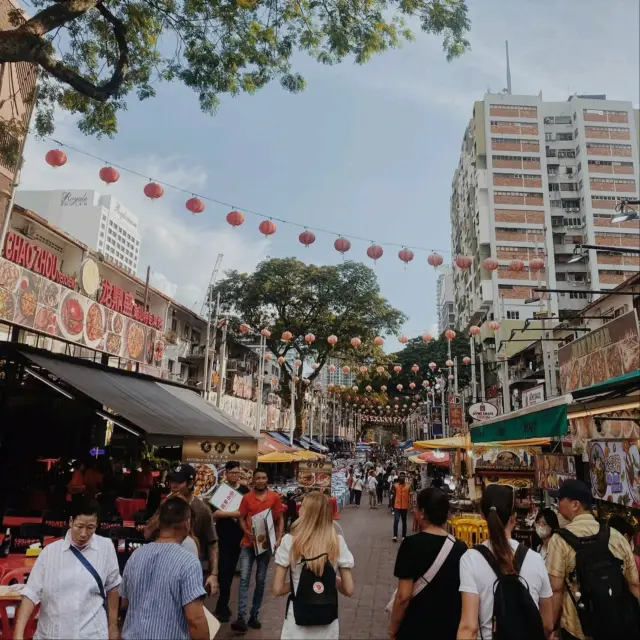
x=159 y=580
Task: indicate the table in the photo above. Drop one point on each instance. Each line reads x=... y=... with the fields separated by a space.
x=128 y=506
x=16 y=521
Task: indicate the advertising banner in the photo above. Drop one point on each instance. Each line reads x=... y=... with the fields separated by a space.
x=614 y=466
x=315 y=476
x=552 y=470
x=436 y=421
x=532 y=396
x=606 y=353
x=456 y=413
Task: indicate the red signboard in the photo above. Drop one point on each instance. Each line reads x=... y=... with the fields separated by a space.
x=120 y=301
x=37 y=259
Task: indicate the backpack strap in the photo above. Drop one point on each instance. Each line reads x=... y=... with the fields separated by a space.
x=487 y=554
x=521 y=554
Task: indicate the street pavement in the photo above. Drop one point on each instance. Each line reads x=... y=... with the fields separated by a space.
x=362 y=617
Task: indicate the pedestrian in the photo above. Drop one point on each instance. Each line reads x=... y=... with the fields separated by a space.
x=182 y=483
x=626 y=529
x=358 y=487
x=430 y=561
x=350 y=483
x=229 y=538
x=546 y=525
x=372 y=487
x=380 y=485
x=481 y=585
x=75 y=581
x=400 y=505
x=162 y=590
x=607 y=568
x=259 y=499
x=313 y=537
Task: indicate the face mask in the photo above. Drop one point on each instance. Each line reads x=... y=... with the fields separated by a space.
x=543 y=532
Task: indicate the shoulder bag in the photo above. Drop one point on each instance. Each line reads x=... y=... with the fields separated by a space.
x=96 y=576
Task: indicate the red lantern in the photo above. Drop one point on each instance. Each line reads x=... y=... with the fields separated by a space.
x=405 y=255
x=399 y=387
x=380 y=369
x=109 y=175
x=307 y=238
x=449 y=363
x=466 y=360
x=332 y=340
x=56 y=158
x=153 y=190
x=266 y=333
x=490 y=264
x=297 y=363
x=435 y=260
x=494 y=325
x=474 y=331
x=427 y=337
x=378 y=340
x=364 y=369
x=464 y=262
x=346 y=369
x=342 y=245
x=355 y=342
x=354 y=388
x=397 y=368
x=235 y=218
x=286 y=336
x=309 y=338
x=415 y=368
x=268 y=356
x=412 y=385
x=244 y=328
x=267 y=227
x=449 y=334
x=368 y=388
x=383 y=388
x=375 y=252
x=281 y=360
x=332 y=368
x=536 y=264
x=403 y=339
x=516 y=265
x=195 y=205
x=315 y=365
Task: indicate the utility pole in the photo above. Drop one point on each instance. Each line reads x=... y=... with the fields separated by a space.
x=474 y=390
x=222 y=364
x=207 y=305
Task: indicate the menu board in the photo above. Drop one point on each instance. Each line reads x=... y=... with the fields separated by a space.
x=606 y=353
x=315 y=476
x=35 y=302
x=614 y=466
x=552 y=470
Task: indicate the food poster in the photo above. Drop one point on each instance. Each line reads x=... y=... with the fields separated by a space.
x=618 y=424
x=496 y=459
x=37 y=303
x=552 y=470
x=260 y=532
x=210 y=456
x=609 y=352
x=614 y=466
x=315 y=476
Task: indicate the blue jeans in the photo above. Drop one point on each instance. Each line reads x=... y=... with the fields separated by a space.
x=397 y=514
x=247 y=558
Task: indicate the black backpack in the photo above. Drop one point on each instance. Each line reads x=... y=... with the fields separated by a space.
x=315 y=603
x=515 y=614
x=606 y=607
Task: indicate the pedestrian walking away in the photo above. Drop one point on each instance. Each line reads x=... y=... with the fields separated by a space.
x=372 y=488
x=400 y=505
x=259 y=499
x=310 y=556
x=358 y=486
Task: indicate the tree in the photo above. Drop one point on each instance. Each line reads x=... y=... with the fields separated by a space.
x=93 y=54
x=288 y=295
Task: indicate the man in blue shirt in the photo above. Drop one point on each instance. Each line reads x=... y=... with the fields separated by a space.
x=162 y=583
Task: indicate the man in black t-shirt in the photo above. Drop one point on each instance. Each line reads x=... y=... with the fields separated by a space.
x=229 y=536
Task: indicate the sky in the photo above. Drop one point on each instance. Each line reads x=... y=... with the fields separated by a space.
x=368 y=150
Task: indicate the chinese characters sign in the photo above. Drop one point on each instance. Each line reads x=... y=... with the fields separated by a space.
x=615 y=471
x=120 y=301
x=604 y=354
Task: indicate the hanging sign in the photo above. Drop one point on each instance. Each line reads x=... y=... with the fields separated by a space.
x=456 y=412
x=482 y=411
x=614 y=466
x=436 y=421
x=532 y=396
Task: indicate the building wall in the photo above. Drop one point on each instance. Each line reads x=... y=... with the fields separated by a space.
x=445 y=300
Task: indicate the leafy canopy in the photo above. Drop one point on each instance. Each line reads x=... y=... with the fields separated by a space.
x=94 y=54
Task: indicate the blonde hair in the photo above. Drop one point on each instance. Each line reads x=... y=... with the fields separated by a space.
x=313 y=533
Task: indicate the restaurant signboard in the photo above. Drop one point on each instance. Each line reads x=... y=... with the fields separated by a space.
x=534 y=395
x=614 y=466
x=609 y=352
x=315 y=476
x=456 y=412
x=552 y=470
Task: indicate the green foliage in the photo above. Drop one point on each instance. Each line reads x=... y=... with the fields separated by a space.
x=214 y=47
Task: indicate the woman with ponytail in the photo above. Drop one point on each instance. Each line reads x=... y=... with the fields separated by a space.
x=478 y=580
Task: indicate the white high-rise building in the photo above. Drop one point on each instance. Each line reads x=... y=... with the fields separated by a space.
x=536 y=179
x=445 y=300
x=338 y=377
x=99 y=221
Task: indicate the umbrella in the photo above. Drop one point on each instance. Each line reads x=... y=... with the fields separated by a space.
x=277 y=456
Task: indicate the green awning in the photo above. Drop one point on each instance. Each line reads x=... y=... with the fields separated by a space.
x=545 y=420
x=608 y=385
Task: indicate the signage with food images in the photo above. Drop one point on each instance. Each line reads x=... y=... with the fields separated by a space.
x=315 y=476
x=495 y=459
x=552 y=470
x=613 y=424
x=209 y=457
x=606 y=353
x=614 y=466
x=38 y=303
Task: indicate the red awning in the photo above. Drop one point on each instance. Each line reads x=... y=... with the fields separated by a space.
x=270 y=444
x=440 y=458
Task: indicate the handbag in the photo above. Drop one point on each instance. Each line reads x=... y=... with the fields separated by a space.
x=431 y=573
x=96 y=576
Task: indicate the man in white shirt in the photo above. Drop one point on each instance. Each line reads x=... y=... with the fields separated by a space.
x=372 y=485
x=73 y=602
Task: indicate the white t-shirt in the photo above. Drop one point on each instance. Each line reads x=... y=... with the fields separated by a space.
x=476 y=576
x=358 y=484
x=372 y=483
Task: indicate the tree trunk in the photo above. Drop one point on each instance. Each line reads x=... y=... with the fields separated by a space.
x=299 y=411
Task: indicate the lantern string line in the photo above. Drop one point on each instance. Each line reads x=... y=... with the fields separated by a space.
x=241 y=209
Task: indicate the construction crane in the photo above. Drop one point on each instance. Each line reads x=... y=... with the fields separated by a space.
x=206 y=305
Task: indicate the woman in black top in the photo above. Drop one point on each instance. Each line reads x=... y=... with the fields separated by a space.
x=435 y=611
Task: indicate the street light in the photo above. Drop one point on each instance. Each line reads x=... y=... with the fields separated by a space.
x=625 y=213
x=577 y=256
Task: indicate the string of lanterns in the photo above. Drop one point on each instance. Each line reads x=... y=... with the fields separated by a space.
x=154 y=190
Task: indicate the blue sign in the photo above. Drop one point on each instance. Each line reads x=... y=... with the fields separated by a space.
x=95 y=452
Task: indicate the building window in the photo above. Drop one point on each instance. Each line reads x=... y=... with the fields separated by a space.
x=513 y=315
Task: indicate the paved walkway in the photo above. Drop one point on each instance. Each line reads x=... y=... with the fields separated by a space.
x=362 y=617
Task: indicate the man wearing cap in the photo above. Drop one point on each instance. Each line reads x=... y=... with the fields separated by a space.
x=182 y=483
x=575 y=506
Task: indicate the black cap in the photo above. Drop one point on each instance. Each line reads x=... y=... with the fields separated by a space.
x=182 y=473
x=573 y=490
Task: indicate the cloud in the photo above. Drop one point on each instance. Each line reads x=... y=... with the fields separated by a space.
x=180 y=248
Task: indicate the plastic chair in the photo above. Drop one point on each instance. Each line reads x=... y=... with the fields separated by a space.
x=8 y=608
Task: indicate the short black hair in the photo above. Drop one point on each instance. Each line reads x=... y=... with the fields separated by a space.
x=435 y=504
x=85 y=507
x=173 y=512
x=261 y=470
x=622 y=525
x=231 y=464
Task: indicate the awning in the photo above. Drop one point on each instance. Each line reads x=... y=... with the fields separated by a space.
x=625 y=383
x=438 y=458
x=544 y=420
x=285 y=439
x=314 y=444
x=456 y=442
x=155 y=407
x=269 y=445
x=276 y=457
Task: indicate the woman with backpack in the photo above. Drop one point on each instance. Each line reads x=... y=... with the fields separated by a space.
x=318 y=563
x=505 y=588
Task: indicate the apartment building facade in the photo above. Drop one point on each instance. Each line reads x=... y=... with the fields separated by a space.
x=536 y=179
x=445 y=300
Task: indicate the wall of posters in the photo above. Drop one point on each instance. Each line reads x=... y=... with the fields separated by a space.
x=552 y=470
x=606 y=353
x=315 y=476
x=614 y=466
